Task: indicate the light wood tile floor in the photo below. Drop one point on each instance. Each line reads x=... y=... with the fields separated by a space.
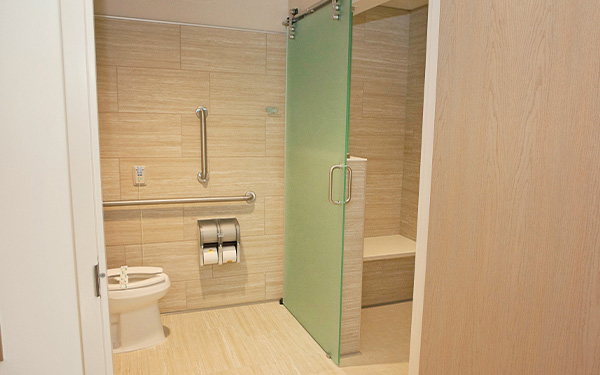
x=265 y=339
x=384 y=341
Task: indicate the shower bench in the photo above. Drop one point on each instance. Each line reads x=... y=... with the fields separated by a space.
x=388 y=269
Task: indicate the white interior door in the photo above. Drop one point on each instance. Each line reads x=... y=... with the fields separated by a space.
x=77 y=18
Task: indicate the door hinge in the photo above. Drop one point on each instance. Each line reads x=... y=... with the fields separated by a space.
x=99 y=275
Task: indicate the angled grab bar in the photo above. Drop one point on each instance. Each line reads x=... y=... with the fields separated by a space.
x=202 y=113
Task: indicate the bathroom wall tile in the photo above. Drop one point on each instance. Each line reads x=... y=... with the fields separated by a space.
x=414 y=123
x=383 y=200
x=249 y=215
x=384 y=99
x=384 y=14
x=115 y=256
x=166 y=178
x=378 y=109
x=245 y=94
x=353 y=260
x=153 y=123
x=221 y=50
x=179 y=260
x=274 y=215
x=274 y=285
x=122 y=226
x=381 y=52
x=226 y=135
x=134 y=255
x=128 y=255
x=354 y=217
x=235 y=176
x=275 y=134
x=162 y=224
x=106 y=81
x=161 y=90
x=380 y=62
x=358 y=27
x=259 y=255
x=384 y=63
x=223 y=291
x=138 y=44
x=276 y=54
x=381 y=141
x=175 y=299
x=387 y=25
x=356 y=101
x=109 y=170
x=139 y=135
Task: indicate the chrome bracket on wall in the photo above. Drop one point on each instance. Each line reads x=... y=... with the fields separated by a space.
x=335 y=9
x=295 y=17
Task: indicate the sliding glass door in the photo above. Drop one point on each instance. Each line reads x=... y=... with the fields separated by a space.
x=316 y=139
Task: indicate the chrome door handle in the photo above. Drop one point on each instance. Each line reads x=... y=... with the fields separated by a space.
x=349 y=184
x=348 y=188
x=338 y=166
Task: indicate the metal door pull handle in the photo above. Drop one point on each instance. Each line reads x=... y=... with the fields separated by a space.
x=348 y=196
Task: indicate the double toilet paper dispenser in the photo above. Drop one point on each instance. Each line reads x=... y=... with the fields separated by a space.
x=219 y=241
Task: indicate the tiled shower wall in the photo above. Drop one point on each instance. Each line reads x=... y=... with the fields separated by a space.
x=388 y=63
x=414 y=123
x=151 y=78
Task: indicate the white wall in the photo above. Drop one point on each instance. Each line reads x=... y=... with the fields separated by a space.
x=247 y=14
x=38 y=300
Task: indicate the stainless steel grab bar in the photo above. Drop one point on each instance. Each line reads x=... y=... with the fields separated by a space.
x=202 y=113
x=250 y=196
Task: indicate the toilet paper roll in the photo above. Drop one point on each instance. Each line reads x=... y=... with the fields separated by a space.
x=228 y=230
x=210 y=256
x=208 y=231
x=229 y=254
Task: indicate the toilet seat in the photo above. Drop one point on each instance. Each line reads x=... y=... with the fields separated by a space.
x=139 y=277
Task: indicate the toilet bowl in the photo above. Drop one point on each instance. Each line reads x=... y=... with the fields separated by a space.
x=134 y=316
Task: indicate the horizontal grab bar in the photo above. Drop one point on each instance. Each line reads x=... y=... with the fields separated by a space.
x=250 y=196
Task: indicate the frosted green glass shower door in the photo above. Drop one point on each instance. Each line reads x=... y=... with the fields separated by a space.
x=316 y=138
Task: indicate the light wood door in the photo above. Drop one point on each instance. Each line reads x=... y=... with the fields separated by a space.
x=513 y=259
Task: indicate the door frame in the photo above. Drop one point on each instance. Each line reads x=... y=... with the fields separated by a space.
x=79 y=68
x=433 y=34
x=77 y=21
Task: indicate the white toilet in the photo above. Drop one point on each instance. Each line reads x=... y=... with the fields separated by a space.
x=134 y=316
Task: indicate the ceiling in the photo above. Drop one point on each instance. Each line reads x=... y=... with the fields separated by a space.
x=405 y=4
x=264 y=15
x=364 y=5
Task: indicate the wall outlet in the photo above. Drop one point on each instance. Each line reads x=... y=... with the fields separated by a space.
x=139 y=175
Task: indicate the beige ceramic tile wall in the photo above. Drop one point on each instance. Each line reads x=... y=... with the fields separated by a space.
x=151 y=78
x=379 y=111
x=414 y=123
x=354 y=235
